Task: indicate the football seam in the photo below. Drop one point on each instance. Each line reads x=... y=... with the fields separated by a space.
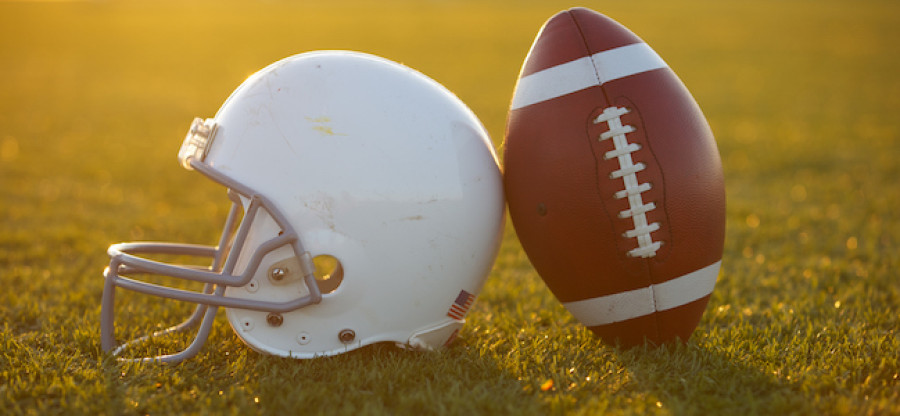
x=588 y=50
x=606 y=97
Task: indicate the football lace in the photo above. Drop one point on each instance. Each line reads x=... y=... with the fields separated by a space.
x=637 y=208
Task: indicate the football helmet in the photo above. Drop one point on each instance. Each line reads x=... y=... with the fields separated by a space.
x=333 y=160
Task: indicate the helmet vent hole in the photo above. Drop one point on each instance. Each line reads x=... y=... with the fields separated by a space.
x=329 y=273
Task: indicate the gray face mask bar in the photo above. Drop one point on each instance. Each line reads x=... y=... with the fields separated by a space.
x=124 y=261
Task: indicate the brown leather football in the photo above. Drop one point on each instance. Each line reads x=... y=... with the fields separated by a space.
x=614 y=181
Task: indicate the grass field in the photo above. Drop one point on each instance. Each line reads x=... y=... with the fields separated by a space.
x=803 y=96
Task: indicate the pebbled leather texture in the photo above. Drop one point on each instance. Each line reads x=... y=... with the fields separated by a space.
x=562 y=200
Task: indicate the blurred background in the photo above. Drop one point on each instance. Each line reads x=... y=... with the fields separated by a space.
x=95 y=98
x=803 y=97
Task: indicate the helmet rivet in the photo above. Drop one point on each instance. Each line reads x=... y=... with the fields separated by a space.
x=278 y=273
x=346 y=336
x=274 y=319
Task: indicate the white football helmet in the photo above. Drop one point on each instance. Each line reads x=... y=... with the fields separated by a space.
x=337 y=156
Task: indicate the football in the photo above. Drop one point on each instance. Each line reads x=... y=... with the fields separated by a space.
x=614 y=181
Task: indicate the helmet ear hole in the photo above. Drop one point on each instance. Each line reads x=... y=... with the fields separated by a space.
x=329 y=273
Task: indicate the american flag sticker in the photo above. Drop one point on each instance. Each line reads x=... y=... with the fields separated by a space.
x=461 y=305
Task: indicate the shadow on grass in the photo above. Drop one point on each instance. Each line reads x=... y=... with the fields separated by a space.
x=377 y=379
x=386 y=379
x=697 y=379
x=556 y=374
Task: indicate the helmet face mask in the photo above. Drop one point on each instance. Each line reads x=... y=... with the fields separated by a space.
x=367 y=207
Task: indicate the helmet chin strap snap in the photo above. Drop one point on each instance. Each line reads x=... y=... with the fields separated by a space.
x=347 y=336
